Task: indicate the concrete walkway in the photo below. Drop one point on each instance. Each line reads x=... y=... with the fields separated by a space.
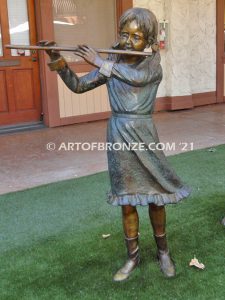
x=26 y=162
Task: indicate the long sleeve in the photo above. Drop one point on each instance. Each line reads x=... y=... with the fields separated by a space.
x=149 y=70
x=84 y=83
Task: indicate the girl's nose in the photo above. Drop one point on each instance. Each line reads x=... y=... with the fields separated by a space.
x=128 y=41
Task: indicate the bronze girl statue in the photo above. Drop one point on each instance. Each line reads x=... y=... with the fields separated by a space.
x=138 y=176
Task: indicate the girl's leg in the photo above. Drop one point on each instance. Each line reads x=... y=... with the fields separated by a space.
x=130 y=226
x=130 y=221
x=158 y=220
x=157 y=216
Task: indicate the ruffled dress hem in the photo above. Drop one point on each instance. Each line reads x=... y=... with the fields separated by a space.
x=145 y=199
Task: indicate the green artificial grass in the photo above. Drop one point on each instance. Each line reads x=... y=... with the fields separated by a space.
x=51 y=244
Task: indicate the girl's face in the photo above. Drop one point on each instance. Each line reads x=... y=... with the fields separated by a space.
x=131 y=38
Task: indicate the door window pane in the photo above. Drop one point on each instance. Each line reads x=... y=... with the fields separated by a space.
x=18 y=25
x=1 y=52
x=91 y=22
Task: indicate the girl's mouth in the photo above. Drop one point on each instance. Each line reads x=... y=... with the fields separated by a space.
x=128 y=48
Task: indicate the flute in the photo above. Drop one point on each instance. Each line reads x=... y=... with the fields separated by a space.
x=68 y=48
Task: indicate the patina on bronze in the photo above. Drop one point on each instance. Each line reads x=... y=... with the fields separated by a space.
x=138 y=176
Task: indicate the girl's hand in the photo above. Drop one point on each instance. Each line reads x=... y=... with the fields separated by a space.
x=89 y=55
x=54 y=55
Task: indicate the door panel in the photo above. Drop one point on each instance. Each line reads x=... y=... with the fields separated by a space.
x=23 y=97
x=19 y=71
x=3 y=92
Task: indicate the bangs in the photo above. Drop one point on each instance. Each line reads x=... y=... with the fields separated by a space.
x=146 y=22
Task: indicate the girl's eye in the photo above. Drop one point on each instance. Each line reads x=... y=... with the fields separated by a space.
x=137 y=38
x=123 y=35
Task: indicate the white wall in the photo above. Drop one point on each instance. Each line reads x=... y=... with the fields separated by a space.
x=189 y=63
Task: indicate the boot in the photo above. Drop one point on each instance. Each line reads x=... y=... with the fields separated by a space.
x=166 y=264
x=132 y=262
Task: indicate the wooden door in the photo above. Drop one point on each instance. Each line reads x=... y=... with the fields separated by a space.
x=20 y=99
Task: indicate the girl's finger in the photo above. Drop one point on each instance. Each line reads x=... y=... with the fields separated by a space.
x=51 y=43
x=86 y=50
x=81 y=51
x=93 y=51
x=78 y=54
x=82 y=47
x=85 y=46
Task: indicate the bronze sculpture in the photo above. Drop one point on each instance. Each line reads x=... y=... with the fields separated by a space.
x=138 y=177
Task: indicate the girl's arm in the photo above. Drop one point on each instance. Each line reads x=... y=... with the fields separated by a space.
x=72 y=81
x=78 y=84
x=149 y=70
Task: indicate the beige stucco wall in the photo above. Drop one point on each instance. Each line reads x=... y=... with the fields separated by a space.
x=189 y=63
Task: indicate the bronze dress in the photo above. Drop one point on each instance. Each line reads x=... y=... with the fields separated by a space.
x=137 y=176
